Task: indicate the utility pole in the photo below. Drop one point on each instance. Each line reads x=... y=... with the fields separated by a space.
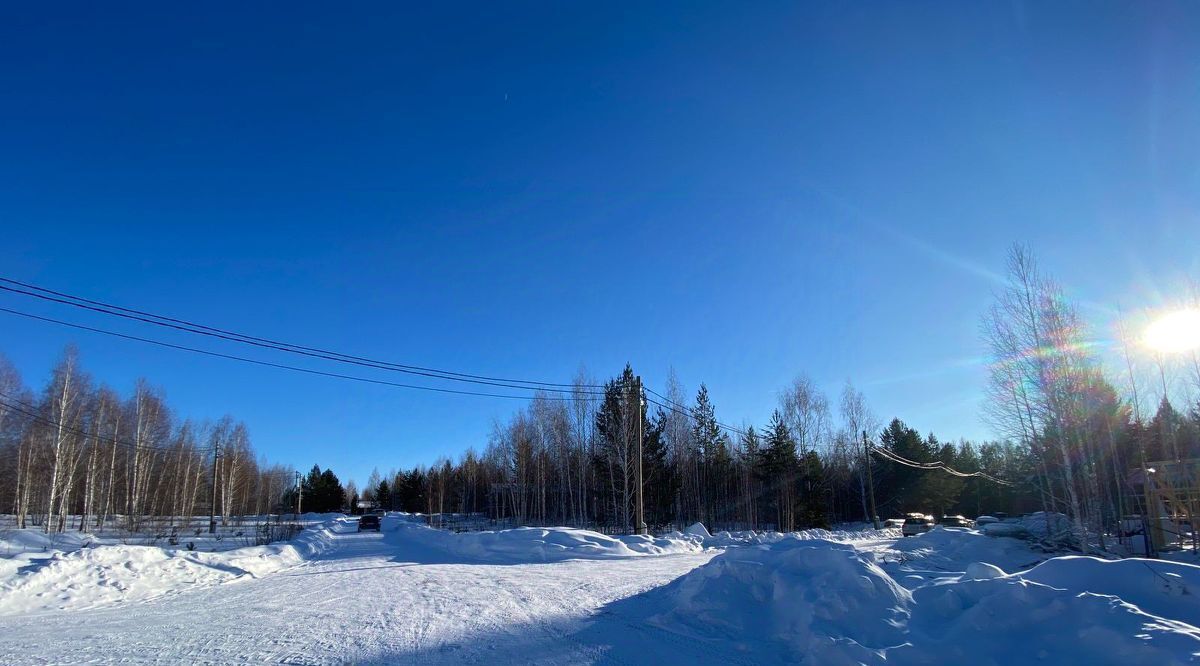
x=299 y=494
x=212 y=508
x=637 y=417
x=870 y=480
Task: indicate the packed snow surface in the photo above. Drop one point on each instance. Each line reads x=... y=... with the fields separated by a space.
x=412 y=594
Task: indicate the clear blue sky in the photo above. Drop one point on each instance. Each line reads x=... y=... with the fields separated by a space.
x=743 y=191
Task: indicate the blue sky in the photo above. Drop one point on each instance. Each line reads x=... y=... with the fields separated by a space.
x=743 y=192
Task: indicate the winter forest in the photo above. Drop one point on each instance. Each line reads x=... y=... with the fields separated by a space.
x=1074 y=427
x=77 y=454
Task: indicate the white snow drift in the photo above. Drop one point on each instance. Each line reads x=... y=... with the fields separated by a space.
x=108 y=574
x=819 y=601
x=535 y=544
x=798 y=599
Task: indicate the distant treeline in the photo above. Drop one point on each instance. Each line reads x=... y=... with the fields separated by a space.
x=561 y=463
x=1071 y=443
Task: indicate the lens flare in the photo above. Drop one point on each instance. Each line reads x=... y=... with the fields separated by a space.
x=1174 y=332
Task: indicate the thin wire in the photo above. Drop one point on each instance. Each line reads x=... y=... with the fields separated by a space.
x=199 y=329
x=905 y=461
x=896 y=458
x=688 y=414
x=656 y=393
x=688 y=411
x=281 y=366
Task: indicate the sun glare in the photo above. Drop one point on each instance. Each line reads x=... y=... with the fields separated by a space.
x=1174 y=332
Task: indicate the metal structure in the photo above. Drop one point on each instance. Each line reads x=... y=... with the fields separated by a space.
x=1171 y=492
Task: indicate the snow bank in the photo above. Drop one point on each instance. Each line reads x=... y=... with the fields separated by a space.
x=758 y=538
x=819 y=601
x=1165 y=589
x=697 y=530
x=809 y=599
x=950 y=549
x=1016 y=619
x=982 y=571
x=1051 y=529
x=33 y=540
x=744 y=538
x=550 y=544
x=104 y=575
x=535 y=544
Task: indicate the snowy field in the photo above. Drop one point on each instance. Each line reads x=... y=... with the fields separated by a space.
x=416 y=595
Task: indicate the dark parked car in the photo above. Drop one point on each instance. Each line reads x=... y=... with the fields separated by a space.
x=956 y=521
x=369 y=521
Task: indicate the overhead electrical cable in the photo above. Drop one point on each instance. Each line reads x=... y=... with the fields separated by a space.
x=937 y=465
x=688 y=411
x=689 y=414
x=281 y=366
x=42 y=293
x=547 y=390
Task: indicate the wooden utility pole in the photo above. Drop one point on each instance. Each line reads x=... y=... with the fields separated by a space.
x=212 y=508
x=299 y=494
x=637 y=418
x=870 y=480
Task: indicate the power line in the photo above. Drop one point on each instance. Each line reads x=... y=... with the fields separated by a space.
x=570 y=390
x=663 y=397
x=58 y=424
x=281 y=366
x=688 y=414
x=937 y=465
x=687 y=411
x=209 y=331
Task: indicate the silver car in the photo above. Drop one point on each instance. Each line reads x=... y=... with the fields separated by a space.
x=916 y=524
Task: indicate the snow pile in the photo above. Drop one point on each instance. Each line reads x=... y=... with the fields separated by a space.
x=103 y=575
x=743 y=538
x=819 y=601
x=1051 y=529
x=726 y=539
x=948 y=550
x=552 y=544
x=698 y=530
x=982 y=571
x=645 y=544
x=1005 y=529
x=34 y=540
x=107 y=574
x=1061 y=612
x=800 y=599
x=1160 y=588
x=535 y=544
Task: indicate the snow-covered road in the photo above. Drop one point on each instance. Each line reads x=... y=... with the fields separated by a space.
x=415 y=595
x=366 y=600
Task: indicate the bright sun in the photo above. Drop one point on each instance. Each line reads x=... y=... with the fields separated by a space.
x=1174 y=332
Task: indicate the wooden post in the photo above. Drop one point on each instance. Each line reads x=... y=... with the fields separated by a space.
x=212 y=508
x=870 y=480
x=637 y=417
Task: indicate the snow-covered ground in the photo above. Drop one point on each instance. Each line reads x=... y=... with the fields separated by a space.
x=555 y=595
